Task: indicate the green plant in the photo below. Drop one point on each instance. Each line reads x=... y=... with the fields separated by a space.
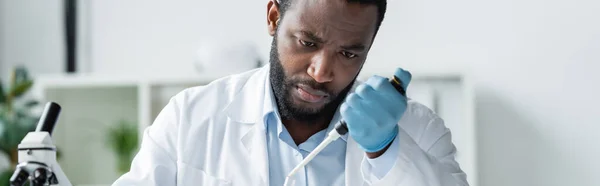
x=123 y=140
x=5 y=177
x=16 y=117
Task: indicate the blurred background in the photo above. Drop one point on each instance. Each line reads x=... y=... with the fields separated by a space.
x=515 y=80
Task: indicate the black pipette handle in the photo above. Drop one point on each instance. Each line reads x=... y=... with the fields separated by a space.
x=48 y=118
x=342 y=127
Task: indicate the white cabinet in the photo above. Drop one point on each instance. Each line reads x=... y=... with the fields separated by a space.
x=91 y=103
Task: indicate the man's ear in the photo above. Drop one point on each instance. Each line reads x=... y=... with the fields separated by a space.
x=272 y=16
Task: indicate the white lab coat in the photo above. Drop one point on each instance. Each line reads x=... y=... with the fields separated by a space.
x=207 y=135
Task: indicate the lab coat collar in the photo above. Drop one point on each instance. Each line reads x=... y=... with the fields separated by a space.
x=269 y=107
x=246 y=109
x=247 y=104
x=255 y=142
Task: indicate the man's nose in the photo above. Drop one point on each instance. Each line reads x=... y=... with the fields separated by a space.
x=321 y=68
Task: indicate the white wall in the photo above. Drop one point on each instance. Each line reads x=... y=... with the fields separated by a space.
x=2 y=40
x=533 y=62
x=31 y=35
x=161 y=37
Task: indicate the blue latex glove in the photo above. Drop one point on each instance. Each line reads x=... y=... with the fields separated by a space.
x=373 y=110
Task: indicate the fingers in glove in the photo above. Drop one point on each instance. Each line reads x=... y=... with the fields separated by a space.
x=404 y=76
x=377 y=103
x=382 y=86
x=368 y=108
x=355 y=121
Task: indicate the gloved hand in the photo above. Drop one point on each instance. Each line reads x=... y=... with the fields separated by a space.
x=373 y=110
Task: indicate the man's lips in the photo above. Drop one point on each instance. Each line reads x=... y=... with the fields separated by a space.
x=308 y=94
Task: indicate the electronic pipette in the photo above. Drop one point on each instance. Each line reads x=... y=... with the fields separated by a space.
x=340 y=129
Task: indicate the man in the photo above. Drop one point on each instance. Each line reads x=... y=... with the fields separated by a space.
x=254 y=128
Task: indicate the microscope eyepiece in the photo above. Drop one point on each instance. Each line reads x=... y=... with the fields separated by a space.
x=48 y=118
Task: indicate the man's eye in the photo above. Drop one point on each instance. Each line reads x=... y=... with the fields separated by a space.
x=306 y=43
x=348 y=55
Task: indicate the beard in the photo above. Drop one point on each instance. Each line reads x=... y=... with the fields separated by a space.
x=282 y=86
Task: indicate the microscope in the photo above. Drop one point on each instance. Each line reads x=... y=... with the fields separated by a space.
x=37 y=154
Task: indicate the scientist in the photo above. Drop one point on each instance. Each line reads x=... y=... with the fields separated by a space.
x=253 y=128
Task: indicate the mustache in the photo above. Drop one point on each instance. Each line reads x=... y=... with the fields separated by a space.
x=312 y=84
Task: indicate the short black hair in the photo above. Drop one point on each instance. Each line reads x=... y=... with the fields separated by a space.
x=284 y=5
